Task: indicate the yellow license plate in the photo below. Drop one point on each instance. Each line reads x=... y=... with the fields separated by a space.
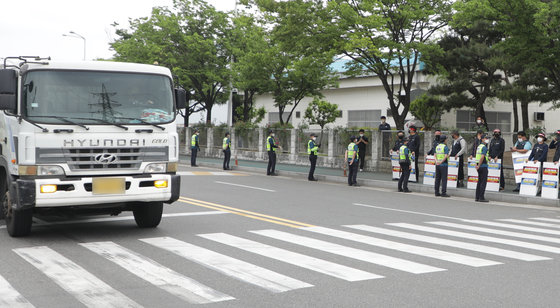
x=108 y=186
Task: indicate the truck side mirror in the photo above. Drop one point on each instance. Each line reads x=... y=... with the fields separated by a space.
x=180 y=98
x=8 y=89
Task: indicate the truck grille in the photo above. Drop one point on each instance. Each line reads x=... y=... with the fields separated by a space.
x=84 y=159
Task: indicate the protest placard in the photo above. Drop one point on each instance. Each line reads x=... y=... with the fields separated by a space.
x=530 y=178
x=518 y=163
x=452 y=172
x=493 y=183
x=472 y=174
x=395 y=165
x=550 y=181
x=429 y=170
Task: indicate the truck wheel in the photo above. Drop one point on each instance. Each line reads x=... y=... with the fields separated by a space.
x=148 y=214
x=18 y=223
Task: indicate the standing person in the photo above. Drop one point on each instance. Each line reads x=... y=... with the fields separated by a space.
x=481 y=124
x=554 y=144
x=353 y=159
x=458 y=150
x=540 y=150
x=521 y=146
x=194 y=147
x=414 y=146
x=271 y=150
x=482 y=168
x=384 y=125
x=442 y=154
x=399 y=142
x=226 y=147
x=362 y=143
x=312 y=149
x=496 y=151
x=405 y=159
x=437 y=134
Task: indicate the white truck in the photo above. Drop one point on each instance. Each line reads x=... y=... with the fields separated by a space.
x=91 y=136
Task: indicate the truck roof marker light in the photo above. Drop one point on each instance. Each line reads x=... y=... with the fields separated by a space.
x=13 y=161
x=48 y=188
x=160 y=184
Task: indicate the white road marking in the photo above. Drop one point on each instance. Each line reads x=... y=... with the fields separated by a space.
x=349 y=252
x=245 y=186
x=479 y=237
x=229 y=266
x=2 y=227
x=496 y=231
x=87 y=288
x=422 y=251
x=546 y=219
x=9 y=297
x=534 y=223
x=517 y=227
x=404 y=211
x=451 y=243
x=297 y=259
x=165 y=278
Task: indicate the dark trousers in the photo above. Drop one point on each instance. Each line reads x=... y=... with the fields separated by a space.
x=227 y=157
x=362 y=156
x=502 y=179
x=313 y=161
x=416 y=167
x=405 y=174
x=441 y=177
x=193 y=156
x=481 y=184
x=352 y=172
x=271 y=163
x=461 y=173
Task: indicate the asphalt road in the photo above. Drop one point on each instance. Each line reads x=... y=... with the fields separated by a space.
x=249 y=240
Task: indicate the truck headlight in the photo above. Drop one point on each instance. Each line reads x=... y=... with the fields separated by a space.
x=50 y=170
x=155 y=168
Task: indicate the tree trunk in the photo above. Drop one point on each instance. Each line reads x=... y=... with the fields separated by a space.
x=186 y=117
x=481 y=113
x=208 y=114
x=246 y=106
x=515 y=116
x=525 y=114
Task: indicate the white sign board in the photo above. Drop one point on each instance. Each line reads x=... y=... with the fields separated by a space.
x=518 y=163
x=530 y=180
x=472 y=174
x=430 y=170
x=452 y=172
x=413 y=177
x=395 y=166
x=550 y=181
x=493 y=183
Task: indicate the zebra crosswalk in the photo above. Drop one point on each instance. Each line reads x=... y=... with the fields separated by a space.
x=427 y=248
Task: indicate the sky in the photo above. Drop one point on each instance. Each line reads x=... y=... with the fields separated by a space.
x=36 y=27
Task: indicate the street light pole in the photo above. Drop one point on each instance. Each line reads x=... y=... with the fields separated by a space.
x=76 y=35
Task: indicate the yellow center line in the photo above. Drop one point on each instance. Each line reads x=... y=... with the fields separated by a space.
x=249 y=214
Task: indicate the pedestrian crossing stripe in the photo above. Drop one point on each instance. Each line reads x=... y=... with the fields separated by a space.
x=534 y=223
x=190 y=173
x=547 y=219
x=91 y=291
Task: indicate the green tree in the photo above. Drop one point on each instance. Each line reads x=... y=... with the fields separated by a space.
x=320 y=112
x=190 y=39
x=428 y=109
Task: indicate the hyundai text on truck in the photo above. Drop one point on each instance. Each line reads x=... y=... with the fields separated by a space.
x=96 y=137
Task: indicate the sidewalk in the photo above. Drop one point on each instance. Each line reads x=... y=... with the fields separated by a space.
x=365 y=178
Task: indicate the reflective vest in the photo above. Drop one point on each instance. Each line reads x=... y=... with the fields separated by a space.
x=479 y=153
x=193 y=140
x=351 y=151
x=268 y=147
x=402 y=156
x=312 y=150
x=440 y=152
x=226 y=143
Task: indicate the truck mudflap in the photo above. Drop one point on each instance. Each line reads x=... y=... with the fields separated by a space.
x=24 y=192
x=175 y=188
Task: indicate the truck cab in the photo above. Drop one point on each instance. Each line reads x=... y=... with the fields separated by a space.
x=90 y=136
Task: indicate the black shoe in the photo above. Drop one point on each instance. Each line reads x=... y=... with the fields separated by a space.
x=349 y=184
x=400 y=190
x=273 y=174
x=445 y=196
x=483 y=200
x=437 y=195
x=515 y=190
x=313 y=180
x=355 y=185
x=475 y=200
x=407 y=191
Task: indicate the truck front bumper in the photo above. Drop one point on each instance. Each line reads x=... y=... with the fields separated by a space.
x=76 y=192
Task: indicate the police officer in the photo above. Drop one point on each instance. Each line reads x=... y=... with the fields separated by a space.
x=496 y=151
x=521 y=146
x=226 y=147
x=482 y=168
x=271 y=150
x=414 y=146
x=405 y=159
x=437 y=134
x=458 y=150
x=312 y=149
x=442 y=155
x=194 y=147
x=353 y=160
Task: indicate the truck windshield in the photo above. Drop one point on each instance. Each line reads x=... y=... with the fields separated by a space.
x=87 y=97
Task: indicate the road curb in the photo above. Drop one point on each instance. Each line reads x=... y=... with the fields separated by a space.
x=458 y=192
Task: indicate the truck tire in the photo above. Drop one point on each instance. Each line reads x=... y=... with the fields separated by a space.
x=148 y=214
x=18 y=223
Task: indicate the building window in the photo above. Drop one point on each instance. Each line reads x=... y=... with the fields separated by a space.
x=298 y=114
x=466 y=120
x=274 y=117
x=339 y=115
x=364 y=118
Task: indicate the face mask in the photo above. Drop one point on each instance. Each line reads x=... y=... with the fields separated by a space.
x=313 y=138
x=540 y=139
x=401 y=136
x=496 y=135
x=437 y=137
x=519 y=140
x=271 y=135
x=479 y=122
x=486 y=140
x=361 y=135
